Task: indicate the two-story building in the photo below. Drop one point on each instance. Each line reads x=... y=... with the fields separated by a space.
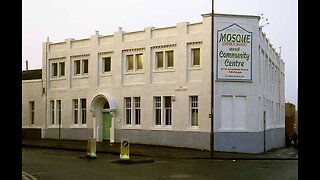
x=154 y=87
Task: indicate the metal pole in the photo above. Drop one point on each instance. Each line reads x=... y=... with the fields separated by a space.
x=212 y=80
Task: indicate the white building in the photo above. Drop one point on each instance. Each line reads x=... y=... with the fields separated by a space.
x=154 y=87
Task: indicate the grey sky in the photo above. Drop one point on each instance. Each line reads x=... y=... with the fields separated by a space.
x=63 y=19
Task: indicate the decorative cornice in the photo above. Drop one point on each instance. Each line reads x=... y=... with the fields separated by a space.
x=164 y=46
x=57 y=58
x=133 y=49
x=194 y=43
x=105 y=52
x=80 y=55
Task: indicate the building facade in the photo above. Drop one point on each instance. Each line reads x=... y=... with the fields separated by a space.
x=153 y=87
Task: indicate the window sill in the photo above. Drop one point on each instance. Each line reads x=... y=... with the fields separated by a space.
x=134 y=72
x=195 y=68
x=78 y=126
x=58 y=78
x=164 y=70
x=131 y=127
x=80 y=76
x=162 y=128
x=106 y=74
x=53 y=126
x=193 y=128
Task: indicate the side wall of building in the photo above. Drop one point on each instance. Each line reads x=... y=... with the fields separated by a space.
x=32 y=92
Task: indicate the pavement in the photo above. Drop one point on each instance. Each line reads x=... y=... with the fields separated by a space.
x=155 y=151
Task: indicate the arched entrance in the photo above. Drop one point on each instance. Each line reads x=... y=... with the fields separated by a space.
x=103 y=112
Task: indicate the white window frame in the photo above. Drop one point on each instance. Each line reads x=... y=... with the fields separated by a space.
x=193 y=56
x=165 y=60
x=194 y=105
x=135 y=62
x=55 y=113
x=132 y=107
x=32 y=105
x=163 y=124
x=81 y=67
x=80 y=113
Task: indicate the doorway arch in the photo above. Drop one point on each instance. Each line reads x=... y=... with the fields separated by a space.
x=103 y=111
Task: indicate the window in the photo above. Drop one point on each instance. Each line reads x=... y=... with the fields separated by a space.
x=233 y=113
x=194 y=110
x=163 y=106
x=134 y=62
x=58 y=69
x=169 y=58
x=128 y=110
x=32 y=111
x=195 y=54
x=159 y=59
x=77 y=67
x=61 y=68
x=137 y=110
x=157 y=110
x=81 y=67
x=75 y=111
x=55 y=112
x=106 y=64
x=59 y=111
x=167 y=110
x=83 y=111
x=139 y=58
x=85 y=66
x=129 y=62
x=79 y=111
x=52 y=112
x=132 y=110
x=54 y=69
x=164 y=59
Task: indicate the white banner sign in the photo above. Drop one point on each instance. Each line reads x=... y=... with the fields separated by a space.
x=234 y=54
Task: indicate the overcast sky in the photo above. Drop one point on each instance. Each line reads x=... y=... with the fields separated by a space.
x=63 y=19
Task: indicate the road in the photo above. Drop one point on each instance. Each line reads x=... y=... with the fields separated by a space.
x=49 y=164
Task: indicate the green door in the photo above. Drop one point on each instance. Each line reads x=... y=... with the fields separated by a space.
x=106 y=125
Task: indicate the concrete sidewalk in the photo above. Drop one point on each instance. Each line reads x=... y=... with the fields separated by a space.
x=160 y=151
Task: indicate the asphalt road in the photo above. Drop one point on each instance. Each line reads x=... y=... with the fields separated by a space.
x=52 y=164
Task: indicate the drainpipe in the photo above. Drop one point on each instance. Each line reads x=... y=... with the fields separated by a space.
x=46 y=90
x=212 y=80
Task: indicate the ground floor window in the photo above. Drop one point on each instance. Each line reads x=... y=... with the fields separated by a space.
x=133 y=110
x=162 y=110
x=79 y=111
x=194 y=110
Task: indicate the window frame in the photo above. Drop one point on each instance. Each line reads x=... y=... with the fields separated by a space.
x=194 y=105
x=32 y=105
x=161 y=109
x=79 y=113
x=81 y=67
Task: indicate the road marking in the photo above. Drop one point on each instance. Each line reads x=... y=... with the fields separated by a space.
x=26 y=175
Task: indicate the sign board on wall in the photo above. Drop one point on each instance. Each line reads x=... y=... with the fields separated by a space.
x=234 y=54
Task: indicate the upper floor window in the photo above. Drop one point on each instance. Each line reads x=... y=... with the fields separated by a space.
x=58 y=69
x=195 y=54
x=164 y=59
x=106 y=64
x=81 y=67
x=134 y=62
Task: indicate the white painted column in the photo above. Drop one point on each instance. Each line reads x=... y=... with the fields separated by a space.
x=112 y=113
